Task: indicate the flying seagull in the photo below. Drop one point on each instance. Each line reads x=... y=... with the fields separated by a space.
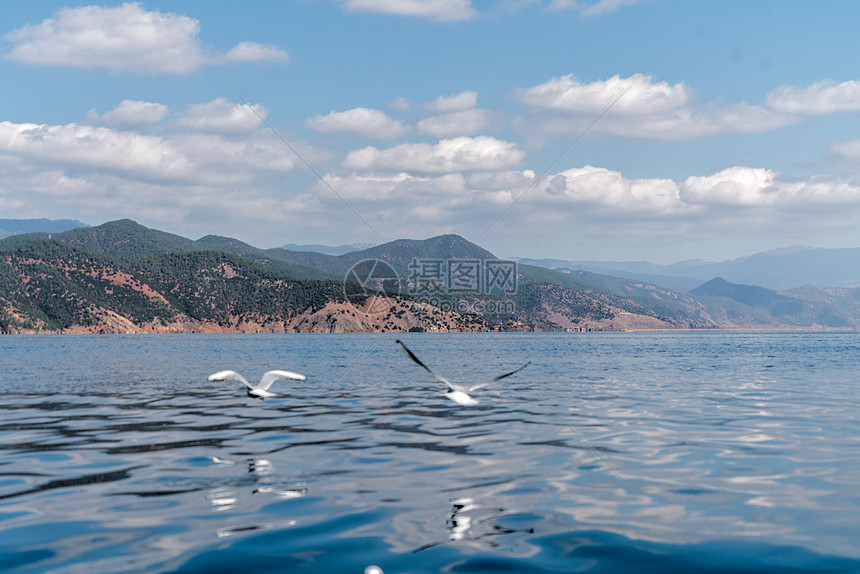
x=261 y=391
x=459 y=393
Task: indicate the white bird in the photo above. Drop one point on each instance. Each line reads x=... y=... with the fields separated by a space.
x=261 y=390
x=459 y=393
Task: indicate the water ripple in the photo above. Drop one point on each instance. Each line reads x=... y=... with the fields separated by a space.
x=740 y=448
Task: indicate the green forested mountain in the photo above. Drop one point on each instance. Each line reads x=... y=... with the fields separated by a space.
x=399 y=253
x=126 y=238
x=123 y=273
x=274 y=259
x=50 y=284
x=57 y=285
x=122 y=238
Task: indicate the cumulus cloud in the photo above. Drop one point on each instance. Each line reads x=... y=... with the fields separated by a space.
x=234 y=158
x=466 y=122
x=177 y=180
x=93 y=147
x=125 y=39
x=746 y=187
x=364 y=122
x=690 y=123
x=650 y=109
x=454 y=103
x=734 y=186
x=184 y=157
x=130 y=113
x=608 y=188
x=436 y=10
x=819 y=98
x=397 y=189
x=223 y=116
x=253 y=52
x=739 y=188
x=596 y=206
x=457 y=116
x=639 y=94
x=449 y=155
x=456 y=185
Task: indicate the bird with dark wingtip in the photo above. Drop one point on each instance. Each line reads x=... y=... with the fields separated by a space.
x=459 y=393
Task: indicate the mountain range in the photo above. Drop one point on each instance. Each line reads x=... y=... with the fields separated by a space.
x=124 y=277
x=15 y=226
x=328 y=250
x=780 y=269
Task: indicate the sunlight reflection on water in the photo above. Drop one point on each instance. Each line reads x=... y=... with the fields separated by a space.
x=132 y=461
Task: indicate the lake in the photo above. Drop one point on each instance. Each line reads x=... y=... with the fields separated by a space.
x=611 y=452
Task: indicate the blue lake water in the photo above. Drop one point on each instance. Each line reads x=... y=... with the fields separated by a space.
x=624 y=452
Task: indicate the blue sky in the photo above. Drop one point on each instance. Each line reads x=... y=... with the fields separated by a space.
x=723 y=128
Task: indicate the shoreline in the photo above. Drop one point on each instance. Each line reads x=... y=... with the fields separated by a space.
x=571 y=333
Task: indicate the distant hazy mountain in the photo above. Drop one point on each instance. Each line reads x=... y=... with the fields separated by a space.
x=752 y=306
x=327 y=249
x=16 y=226
x=780 y=269
x=751 y=295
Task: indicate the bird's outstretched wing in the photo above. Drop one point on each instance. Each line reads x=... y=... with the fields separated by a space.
x=270 y=377
x=412 y=356
x=230 y=376
x=499 y=378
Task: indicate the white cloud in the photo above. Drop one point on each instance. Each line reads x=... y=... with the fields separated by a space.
x=638 y=94
x=599 y=8
x=180 y=179
x=202 y=159
x=466 y=122
x=848 y=149
x=124 y=39
x=502 y=180
x=816 y=99
x=593 y=206
x=223 y=116
x=184 y=181
x=638 y=107
x=449 y=155
x=437 y=10
x=454 y=103
x=131 y=113
x=398 y=188
x=740 y=186
x=457 y=116
x=253 y=52
x=690 y=123
x=112 y=38
x=233 y=159
x=746 y=187
x=364 y=122
x=607 y=188
x=93 y=147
